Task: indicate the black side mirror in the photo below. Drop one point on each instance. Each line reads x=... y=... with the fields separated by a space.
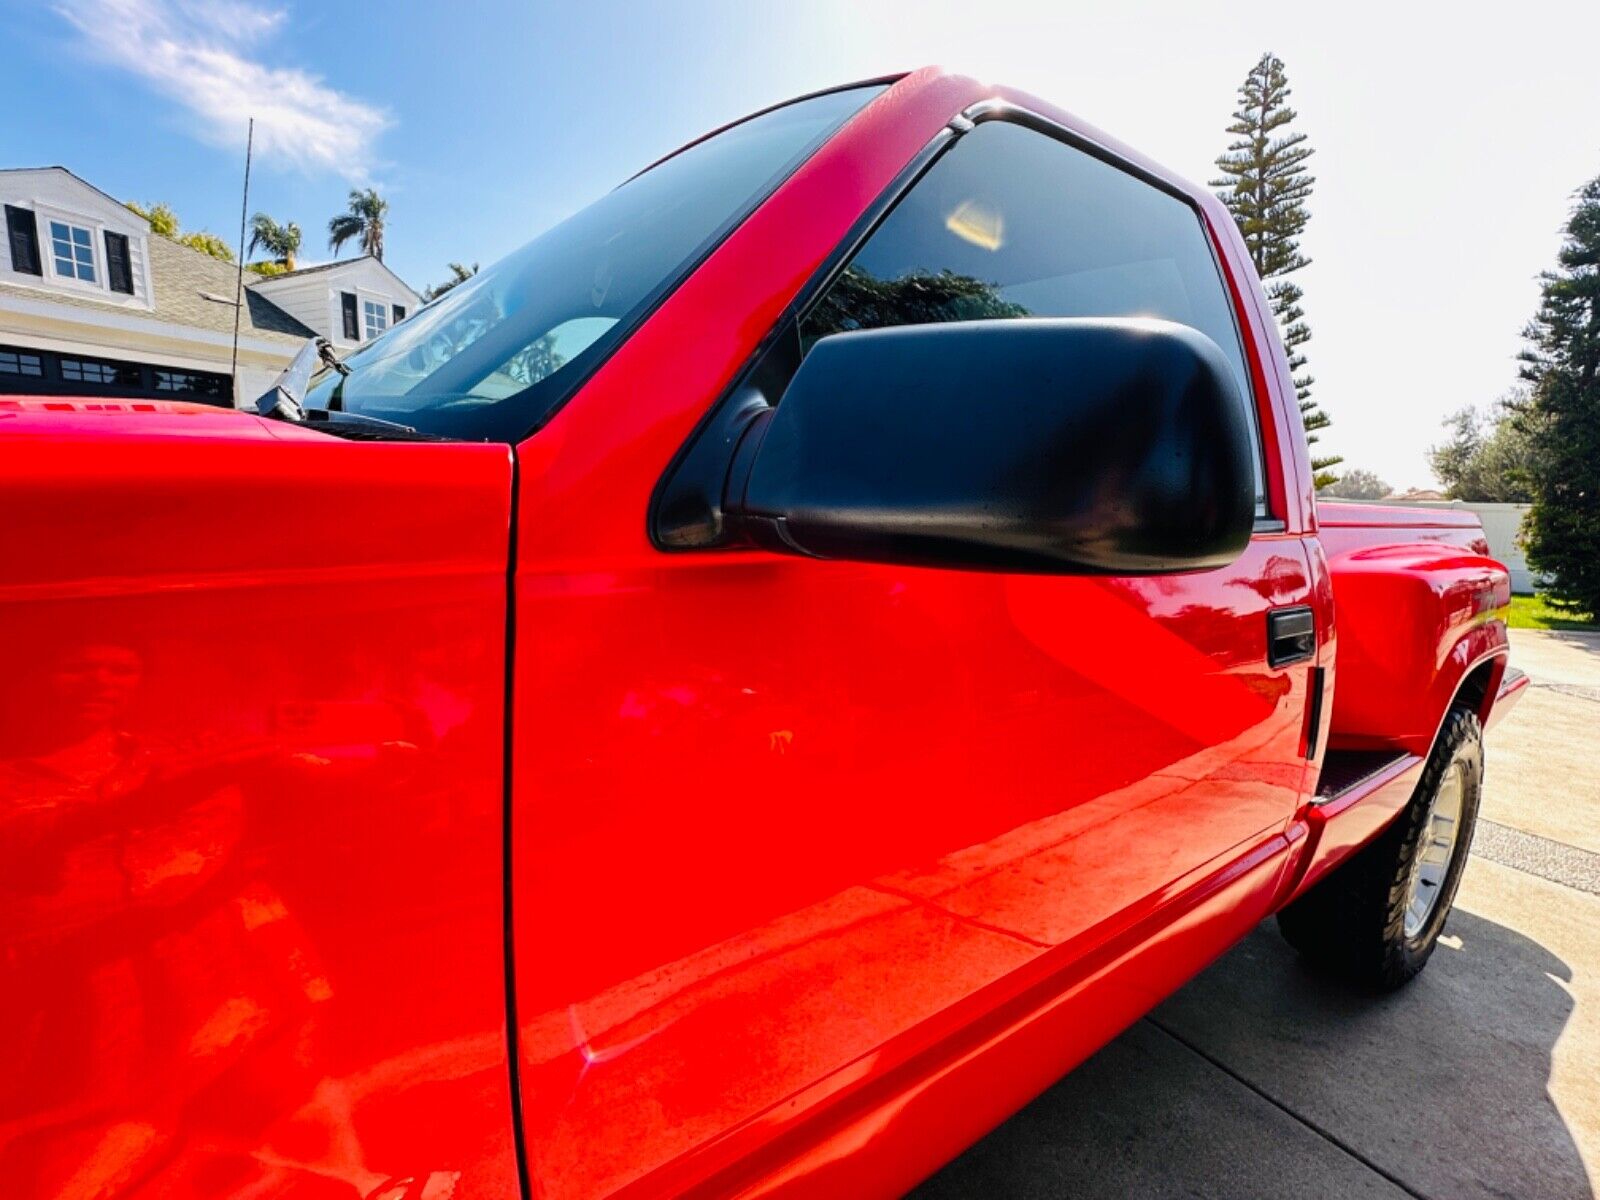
x=1068 y=446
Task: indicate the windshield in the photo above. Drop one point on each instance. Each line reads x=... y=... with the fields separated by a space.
x=496 y=355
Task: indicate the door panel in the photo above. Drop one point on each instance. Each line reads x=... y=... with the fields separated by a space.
x=779 y=826
x=780 y=817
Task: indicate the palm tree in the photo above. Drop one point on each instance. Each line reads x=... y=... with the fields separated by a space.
x=280 y=241
x=364 y=220
x=458 y=274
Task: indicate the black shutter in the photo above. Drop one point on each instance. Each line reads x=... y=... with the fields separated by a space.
x=119 y=269
x=352 y=327
x=399 y=313
x=23 y=231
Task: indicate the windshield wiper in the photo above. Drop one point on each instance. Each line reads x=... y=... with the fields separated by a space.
x=358 y=425
x=285 y=401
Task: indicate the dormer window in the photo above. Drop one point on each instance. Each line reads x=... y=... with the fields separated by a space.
x=72 y=249
x=70 y=237
x=376 y=317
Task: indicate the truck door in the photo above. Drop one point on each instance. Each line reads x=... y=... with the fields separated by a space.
x=781 y=824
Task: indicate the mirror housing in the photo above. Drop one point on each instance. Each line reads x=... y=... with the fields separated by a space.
x=1066 y=446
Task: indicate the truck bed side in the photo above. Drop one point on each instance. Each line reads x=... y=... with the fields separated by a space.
x=1420 y=611
x=1420 y=608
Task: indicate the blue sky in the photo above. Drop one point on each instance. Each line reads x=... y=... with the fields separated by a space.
x=1447 y=146
x=482 y=123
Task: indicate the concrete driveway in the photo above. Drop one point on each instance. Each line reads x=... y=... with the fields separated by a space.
x=1480 y=1079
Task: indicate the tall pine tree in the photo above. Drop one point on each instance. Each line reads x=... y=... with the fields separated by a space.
x=1265 y=185
x=1562 y=414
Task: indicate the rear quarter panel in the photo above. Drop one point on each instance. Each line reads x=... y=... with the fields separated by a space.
x=1420 y=605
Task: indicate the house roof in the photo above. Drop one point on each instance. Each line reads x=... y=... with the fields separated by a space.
x=121 y=208
x=184 y=280
x=327 y=266
x=359 y=262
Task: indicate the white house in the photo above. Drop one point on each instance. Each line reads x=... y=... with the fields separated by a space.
x=347 y=302
x=93 y=303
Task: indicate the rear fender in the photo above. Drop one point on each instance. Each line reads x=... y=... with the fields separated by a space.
x=1417 y=623
x=1421 y=628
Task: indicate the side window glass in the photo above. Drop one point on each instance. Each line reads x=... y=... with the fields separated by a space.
x=1013 y=223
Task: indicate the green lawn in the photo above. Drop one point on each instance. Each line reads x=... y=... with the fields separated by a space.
x=1531 y=612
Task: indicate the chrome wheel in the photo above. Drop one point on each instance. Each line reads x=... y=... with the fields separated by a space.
x=1437 y=848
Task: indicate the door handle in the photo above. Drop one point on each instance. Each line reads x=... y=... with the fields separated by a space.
x=1291 y=635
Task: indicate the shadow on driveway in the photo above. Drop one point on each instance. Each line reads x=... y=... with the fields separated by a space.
x=1261 y=1078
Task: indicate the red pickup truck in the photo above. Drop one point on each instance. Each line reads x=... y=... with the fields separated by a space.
x=734 y=699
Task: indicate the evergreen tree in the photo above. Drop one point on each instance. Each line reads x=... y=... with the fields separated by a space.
x=1265 y=185
x=1561 y=364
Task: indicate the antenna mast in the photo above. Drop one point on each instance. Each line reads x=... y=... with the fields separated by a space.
x=238 y=291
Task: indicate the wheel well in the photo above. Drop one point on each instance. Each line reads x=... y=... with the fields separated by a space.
x=1473 y=694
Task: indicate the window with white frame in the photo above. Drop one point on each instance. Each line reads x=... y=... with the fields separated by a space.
x=375 y=316
x=72 y=249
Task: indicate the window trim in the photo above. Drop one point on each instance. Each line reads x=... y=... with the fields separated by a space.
x=50 y=280
x=1003 y=110
x=363 y=297
x=984 y=112
x=373 y=306
x=71 y=222
x=694 y=477
x=1260 y=402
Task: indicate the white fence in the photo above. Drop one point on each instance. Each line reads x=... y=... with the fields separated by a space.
x=1501 y=524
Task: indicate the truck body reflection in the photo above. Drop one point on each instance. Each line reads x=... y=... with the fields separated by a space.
x=250 y=887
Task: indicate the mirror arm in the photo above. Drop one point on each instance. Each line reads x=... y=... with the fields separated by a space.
x=757 y=529
x=762 y=530
x=689 y=510
x=743 y=461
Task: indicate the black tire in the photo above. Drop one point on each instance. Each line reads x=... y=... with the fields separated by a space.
x=1353 y=922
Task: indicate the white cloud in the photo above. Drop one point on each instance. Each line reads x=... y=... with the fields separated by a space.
x=207 y=56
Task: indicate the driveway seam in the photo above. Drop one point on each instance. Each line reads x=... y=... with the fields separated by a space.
x=1331 y=1138
x=1576 y=690
x=1559 y=862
